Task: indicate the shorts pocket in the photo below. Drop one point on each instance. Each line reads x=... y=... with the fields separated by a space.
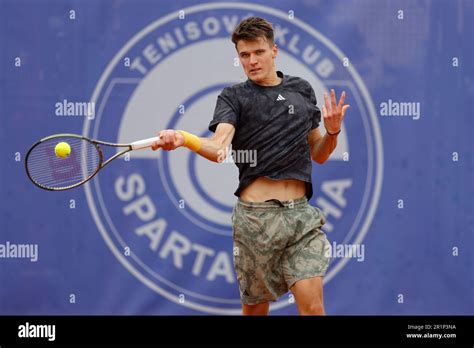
x=320 y=215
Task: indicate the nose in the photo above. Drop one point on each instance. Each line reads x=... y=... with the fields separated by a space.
x=253 y=59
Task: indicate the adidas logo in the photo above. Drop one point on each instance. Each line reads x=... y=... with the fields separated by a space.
x=280 y=97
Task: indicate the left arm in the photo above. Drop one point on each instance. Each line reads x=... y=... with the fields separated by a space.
x=321 y=147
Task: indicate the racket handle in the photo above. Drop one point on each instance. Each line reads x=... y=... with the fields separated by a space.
x=143 y=144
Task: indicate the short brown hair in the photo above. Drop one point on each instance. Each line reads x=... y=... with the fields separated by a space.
x=251 y=29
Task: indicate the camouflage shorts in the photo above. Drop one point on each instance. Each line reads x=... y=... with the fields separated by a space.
x=276 y=244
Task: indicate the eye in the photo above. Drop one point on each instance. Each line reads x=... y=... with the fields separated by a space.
x=259 y=52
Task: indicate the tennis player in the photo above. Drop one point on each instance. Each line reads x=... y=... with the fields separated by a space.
x=277 y=236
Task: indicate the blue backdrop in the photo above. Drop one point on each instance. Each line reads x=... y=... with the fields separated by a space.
x=151 y=234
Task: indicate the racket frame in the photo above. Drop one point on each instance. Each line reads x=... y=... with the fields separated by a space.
x=96 y=143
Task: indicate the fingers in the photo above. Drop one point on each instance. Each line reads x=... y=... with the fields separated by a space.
x=168 y=139
x=164 y=141
x=331 y=106
x=341 y=101
x=325 y=112
x=326 y=102
x=344 y=109
x=157 y=144
x=333 y=99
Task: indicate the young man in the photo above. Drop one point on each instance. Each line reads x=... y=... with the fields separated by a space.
x=278 y=236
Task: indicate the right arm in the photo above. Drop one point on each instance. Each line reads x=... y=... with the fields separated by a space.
x=213 y=148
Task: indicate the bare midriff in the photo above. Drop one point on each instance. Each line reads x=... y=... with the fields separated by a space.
x=263 y=188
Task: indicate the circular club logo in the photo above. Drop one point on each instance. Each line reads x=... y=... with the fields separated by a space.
x=166 y=216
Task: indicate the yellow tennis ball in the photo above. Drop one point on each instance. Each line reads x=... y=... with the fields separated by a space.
x=62 y=149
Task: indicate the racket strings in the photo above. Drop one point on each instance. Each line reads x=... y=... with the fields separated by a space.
x=54 y=172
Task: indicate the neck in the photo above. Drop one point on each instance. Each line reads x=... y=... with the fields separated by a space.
x=271 y=80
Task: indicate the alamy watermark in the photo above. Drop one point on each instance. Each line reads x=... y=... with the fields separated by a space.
x=37 y=331
x=401 y=109
x=346 y=251
x=22 y=251
x=67 y=108
x=237 y=156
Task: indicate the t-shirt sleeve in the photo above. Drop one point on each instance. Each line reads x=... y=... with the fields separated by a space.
x=315 y=113
x=227 y=109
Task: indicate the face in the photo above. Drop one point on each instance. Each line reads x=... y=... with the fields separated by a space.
x=257 y=59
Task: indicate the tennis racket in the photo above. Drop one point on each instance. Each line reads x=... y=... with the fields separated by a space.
x=51 y=172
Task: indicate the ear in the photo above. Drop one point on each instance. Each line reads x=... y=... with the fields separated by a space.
x=274 y=51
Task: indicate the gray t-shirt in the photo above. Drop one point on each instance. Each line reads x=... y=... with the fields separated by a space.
x=271 y=129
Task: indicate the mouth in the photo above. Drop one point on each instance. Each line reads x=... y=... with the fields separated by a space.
x=254 y=71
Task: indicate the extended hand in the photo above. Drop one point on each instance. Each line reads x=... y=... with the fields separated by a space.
x=169 y=140
x=334 y=114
